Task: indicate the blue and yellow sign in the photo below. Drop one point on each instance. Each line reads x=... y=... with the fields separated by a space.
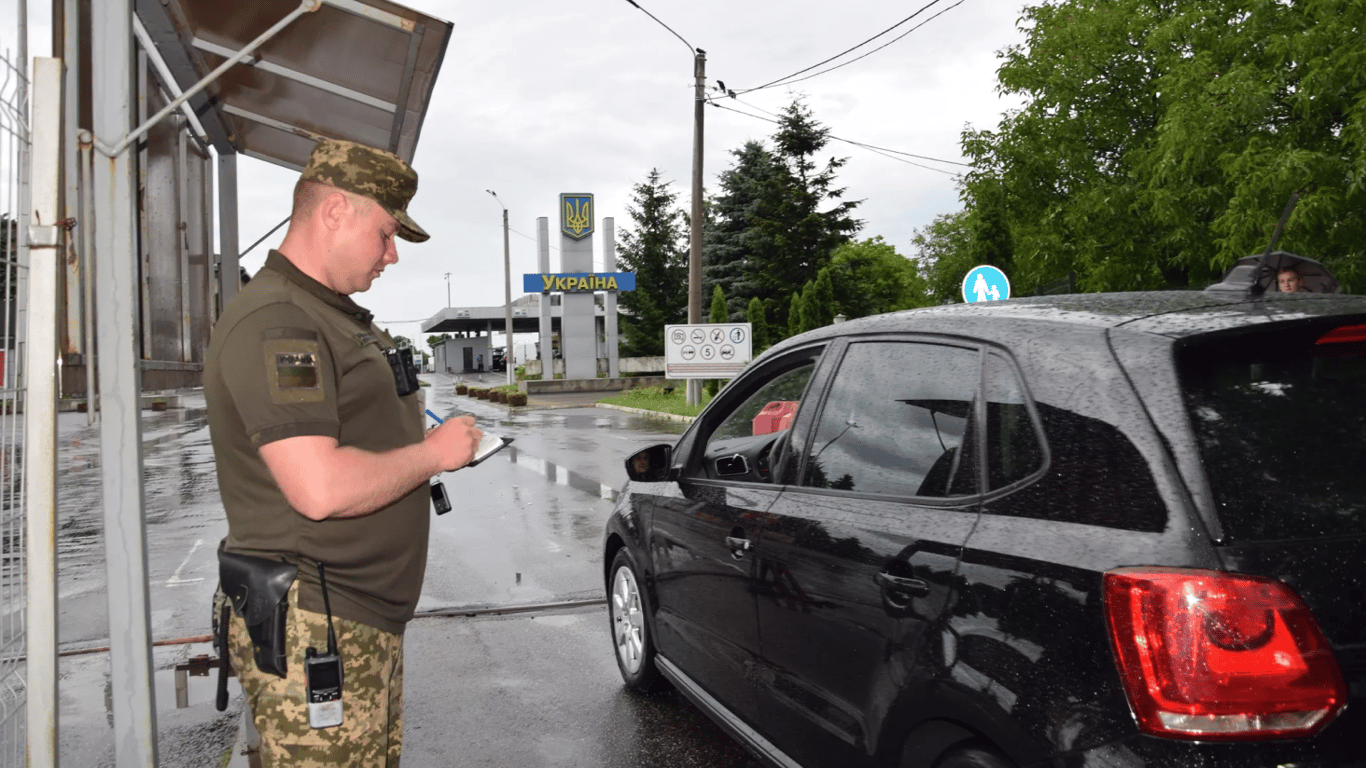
x=578 y=282
x=576 y=215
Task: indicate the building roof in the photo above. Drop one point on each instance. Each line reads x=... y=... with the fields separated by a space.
x=360 y=70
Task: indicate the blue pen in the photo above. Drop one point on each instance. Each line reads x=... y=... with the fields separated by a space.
x=435 y=418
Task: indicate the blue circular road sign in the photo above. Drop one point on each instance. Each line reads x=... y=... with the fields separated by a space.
x=985 y=283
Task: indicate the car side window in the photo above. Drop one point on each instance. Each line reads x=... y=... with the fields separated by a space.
x=898 y=422
x=1013 y=445
x=746 y=445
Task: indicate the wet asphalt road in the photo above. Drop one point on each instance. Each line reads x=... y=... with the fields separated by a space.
x=536 y=689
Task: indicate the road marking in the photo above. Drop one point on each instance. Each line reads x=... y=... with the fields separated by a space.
x=175 y=579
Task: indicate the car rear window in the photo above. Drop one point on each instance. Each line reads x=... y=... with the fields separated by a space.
x=1280 y=418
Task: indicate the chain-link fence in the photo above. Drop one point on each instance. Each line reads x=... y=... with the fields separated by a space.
x=14 y=150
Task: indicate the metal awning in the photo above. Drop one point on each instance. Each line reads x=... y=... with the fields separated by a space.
x=361 y=70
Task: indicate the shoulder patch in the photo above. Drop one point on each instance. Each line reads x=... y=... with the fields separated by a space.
x=364 y=338
x=289 y=333
x=292 y=371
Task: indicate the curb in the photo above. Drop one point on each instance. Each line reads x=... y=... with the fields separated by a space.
x=644 y=412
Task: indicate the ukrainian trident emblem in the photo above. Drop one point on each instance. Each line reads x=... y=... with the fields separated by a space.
x=576 y=215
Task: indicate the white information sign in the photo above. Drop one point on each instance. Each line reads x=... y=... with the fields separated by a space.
x=708 y=351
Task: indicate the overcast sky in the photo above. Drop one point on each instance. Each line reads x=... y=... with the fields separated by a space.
x=539 y=97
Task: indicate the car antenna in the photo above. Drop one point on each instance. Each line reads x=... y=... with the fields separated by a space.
x=1263 y=267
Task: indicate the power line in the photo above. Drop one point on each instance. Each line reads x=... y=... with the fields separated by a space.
x=879 y=150
x=847 y=141
x=788 y=80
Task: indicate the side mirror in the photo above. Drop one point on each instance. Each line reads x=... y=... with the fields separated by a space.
x=650 y=465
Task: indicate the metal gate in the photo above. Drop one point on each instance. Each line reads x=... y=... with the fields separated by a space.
x=14 y=151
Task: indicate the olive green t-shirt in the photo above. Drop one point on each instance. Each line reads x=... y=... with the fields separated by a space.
x=291 y=357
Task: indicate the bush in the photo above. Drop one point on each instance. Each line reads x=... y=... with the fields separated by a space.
x=516 y=398
x=499 y=396
x=462 y=389
x=479 y=393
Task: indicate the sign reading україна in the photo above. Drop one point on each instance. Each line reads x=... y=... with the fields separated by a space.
x=578 y=282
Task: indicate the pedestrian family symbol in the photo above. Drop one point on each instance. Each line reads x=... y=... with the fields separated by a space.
x=985 y=283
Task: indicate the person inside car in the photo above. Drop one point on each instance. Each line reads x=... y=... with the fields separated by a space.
x=1289 y=281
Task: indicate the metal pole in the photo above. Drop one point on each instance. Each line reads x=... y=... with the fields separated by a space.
x=116 y=293
x=20 y=280
x=230 y=267
x=609 y=263
x=40 y=422
x=546 y=340
x=75 y=342
x=86 y=228
x=507 y=296
x=695 y=251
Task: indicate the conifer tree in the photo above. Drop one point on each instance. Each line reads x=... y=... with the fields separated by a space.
x=654 y=249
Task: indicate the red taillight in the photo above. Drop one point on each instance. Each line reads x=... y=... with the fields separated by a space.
x=1215 y=656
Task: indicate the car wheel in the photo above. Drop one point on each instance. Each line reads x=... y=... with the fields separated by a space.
x=973 y=756
x=627 y=607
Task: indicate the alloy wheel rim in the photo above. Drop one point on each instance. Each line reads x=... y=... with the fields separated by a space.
x=628 y=621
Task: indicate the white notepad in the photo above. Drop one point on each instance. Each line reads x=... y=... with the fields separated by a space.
x=488 y=446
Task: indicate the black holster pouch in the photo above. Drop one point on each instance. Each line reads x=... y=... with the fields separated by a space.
x=259 y=590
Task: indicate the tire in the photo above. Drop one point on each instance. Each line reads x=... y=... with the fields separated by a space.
x=627 y=608
x=973 y=756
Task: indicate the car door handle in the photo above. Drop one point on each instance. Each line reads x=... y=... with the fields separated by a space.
x=912 y=587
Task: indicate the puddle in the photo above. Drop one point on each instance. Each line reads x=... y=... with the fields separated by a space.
x=558 y=475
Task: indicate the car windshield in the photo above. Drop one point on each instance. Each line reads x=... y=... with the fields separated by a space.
x=1280 y=418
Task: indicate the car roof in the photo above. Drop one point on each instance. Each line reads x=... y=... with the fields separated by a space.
x=1174 y=314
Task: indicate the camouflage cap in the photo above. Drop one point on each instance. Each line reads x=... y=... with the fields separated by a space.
x=369 y=172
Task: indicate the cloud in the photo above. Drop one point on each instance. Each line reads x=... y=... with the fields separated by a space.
x=537 y=97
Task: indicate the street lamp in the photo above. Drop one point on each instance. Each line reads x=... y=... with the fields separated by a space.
x=448 y=290
x=507 y=294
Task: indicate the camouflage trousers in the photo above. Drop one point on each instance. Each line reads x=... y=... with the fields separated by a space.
x=371 y=733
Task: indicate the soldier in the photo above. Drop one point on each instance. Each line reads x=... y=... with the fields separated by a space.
x=322 y=461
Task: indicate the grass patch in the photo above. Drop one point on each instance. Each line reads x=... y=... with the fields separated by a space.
x=656 y=399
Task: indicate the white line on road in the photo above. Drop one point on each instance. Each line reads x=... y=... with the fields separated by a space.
x=175 y=577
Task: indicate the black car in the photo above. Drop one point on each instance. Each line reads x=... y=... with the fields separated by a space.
x=1091 y=530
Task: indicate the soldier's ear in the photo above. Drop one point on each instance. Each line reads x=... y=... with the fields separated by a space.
x=335 y=211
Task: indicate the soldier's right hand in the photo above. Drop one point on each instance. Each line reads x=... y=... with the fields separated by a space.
x=455 y=442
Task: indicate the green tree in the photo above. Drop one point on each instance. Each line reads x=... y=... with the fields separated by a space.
x=758 y=325
x=436 y=339
x=779 y=216
x=869 y=278
x=806 y=236
x=795 y=323
x=1160 y=140
x=943 y=250
x=750 y=196
x=718 y=314
x=655 y=249
x=403 y=342
x=819 y=308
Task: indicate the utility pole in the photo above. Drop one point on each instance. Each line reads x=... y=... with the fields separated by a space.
x=448 y=290
x=695 y=251
x=507 y=294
